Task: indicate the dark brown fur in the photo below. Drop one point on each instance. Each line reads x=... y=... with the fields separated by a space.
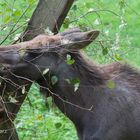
x=98 y=112
x=106 y=106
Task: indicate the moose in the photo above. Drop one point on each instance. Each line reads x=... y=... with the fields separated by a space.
x=103 y=101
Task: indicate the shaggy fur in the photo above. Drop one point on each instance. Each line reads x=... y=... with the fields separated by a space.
x=105 y=106
x=99 y=112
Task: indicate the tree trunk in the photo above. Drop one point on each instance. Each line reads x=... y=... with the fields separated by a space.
x=48 y=13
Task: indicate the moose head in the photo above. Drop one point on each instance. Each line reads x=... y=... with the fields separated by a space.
x=29 y=59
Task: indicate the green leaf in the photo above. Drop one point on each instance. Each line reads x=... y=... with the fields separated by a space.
x=6 y=19
x=17 y=13
x=76 y=86
x=3 y=4
x=69 y=60
x=58 y=125
x=122 y=4
x=89 y=4
x=75 y=82
x=66 y=22
x=117 y=57
x=65 y=25
x=54 y=80
x=30 y=1
x=74 y=8
x=1 y=13
x=105 y=51
x=8 y=9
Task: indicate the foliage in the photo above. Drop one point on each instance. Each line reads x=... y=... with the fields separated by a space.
x=119 y=40
x=37 y=121
x=119 y=26
x=14 y=16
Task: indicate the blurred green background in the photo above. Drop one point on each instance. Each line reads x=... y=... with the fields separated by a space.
x=119 y=25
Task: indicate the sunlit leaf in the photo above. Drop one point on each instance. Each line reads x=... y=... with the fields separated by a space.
x=76 y=86
x=30 y=1
x=17 y=13
x=46 y=71
x=69 y=60
x=68 y=81
x=117 y=57
x=75 y=82
x=48 y=31
x=8 y=9
x=97 y=22
x=23 y=90
x=7 y=19
x=17 y=36
x=12 y=99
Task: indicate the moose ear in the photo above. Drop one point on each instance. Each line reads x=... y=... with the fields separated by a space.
x=78 y=40
x=69 y=31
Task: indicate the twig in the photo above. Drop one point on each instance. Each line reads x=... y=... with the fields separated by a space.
x=14 y=26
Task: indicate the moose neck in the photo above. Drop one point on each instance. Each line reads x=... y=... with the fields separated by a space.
x=69 y=100
x=89 y=74
x=88 y=71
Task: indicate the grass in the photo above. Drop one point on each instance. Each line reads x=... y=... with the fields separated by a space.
x=119 y=25
x=36 y=121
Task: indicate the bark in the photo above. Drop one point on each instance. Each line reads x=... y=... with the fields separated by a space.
x=49 y=13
